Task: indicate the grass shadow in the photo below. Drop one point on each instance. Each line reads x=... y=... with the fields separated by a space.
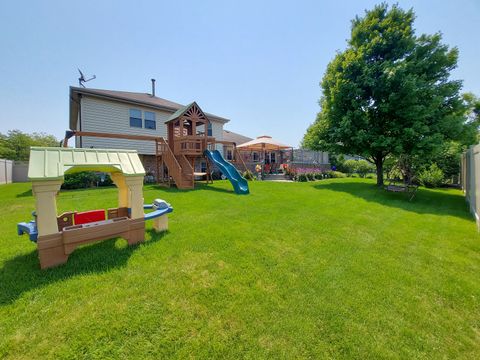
x=27 y=193
x=22 y=273
x=437 y=202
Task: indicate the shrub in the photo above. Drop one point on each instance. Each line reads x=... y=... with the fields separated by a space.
x=349 y=167
x=81 y=180
x=302 y=177
x=363 y=167
x=336 y=174
x=107 y=181
x=310 y=176
x=318 y=176
x=431 y=177
x=248 y=175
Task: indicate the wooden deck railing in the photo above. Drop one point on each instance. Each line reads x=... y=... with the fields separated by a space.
x=191 y=145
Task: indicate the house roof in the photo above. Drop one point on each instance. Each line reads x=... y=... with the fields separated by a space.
x=135 y=98
x=234 y=137
x=51 y=163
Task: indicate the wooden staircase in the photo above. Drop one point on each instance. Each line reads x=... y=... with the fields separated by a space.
x=180 y=171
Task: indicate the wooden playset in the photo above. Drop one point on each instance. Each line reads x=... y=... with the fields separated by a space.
x=58 y=236
x=187 y=140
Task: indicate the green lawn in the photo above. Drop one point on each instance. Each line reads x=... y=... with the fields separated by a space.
x=331 y=269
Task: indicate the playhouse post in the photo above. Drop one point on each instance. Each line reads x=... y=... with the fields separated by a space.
x=135 y=203
x=161 y=223
x=50 y=246
x=119 y=180
x=46 y=206
x=135 y=196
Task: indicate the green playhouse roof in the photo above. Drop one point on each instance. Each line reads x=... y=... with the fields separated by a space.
x=51 y=163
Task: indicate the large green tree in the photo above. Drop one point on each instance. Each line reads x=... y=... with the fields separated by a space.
x=389 y=92
x=15 y=145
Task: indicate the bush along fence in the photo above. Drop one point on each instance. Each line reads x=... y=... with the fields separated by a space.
x=310 y=173
x=470 y=180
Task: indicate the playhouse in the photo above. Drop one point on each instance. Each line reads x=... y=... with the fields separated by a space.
x=57 y=236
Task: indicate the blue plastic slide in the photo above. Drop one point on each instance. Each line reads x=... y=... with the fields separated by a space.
x=240 y=185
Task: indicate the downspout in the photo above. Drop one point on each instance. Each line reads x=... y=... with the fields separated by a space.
x=80 y=117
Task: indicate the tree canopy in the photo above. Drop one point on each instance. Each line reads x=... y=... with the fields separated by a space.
x=15 y=145
x=389 y=92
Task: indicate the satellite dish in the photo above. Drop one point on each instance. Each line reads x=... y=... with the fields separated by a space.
x=82 y=80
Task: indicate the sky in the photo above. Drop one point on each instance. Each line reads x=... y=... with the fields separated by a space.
x=257 y=63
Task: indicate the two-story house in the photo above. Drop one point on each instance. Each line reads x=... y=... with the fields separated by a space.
x=131 y=113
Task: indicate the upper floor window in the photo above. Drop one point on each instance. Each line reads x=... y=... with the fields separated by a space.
x=150 y=122
x=135 y=118
x=209 y=129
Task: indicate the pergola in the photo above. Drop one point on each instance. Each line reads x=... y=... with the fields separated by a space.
x=263 y=144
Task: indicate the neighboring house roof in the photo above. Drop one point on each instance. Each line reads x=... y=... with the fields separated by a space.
x=125 y=97
x=50 y=163
x=234 y=137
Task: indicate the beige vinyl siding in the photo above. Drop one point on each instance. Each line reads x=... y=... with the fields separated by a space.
x=112 y=117
x=217 y=133
x=99 y=115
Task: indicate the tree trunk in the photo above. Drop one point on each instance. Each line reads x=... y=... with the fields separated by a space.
x=379 y=166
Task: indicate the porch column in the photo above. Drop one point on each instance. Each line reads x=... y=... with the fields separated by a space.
x=194 y=128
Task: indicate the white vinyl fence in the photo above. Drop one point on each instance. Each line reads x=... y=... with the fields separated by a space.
x=13 y=171
x=6 y=171
x=470 y=179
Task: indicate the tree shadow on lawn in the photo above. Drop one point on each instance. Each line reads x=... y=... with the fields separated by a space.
x=22 y=273
x=436 y=202
x=198 y=186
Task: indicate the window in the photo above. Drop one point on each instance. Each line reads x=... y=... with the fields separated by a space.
x=150 y=122
x=229 y=155
x=203 y=167
x=272 y=157
x=209 y=129
x=255 y=156
x=135 y=118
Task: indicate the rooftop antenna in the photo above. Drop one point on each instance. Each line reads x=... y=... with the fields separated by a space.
x=82 y=80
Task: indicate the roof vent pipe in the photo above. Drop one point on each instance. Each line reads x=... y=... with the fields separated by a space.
x=153 y=87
